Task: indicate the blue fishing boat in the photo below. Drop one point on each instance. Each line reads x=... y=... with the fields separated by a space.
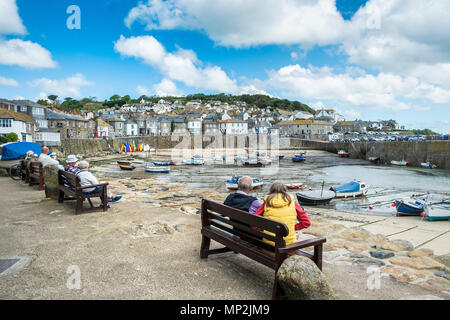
x=157 y=169
x=351 y=190
x=281 y=156
x=410 y=207
x=298 y=158
x=428 y=165
x=163 y=163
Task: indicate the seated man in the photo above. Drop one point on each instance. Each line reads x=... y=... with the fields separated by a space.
x=71 y=164
x=46 y=160
x=87 y=179
x=241 y=199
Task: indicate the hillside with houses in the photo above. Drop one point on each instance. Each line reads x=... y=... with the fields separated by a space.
x=47 y=124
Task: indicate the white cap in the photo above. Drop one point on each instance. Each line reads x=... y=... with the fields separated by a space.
x=72 y=158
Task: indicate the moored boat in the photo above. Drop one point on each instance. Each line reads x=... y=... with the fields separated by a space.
x=351 y=190
x=298 y=158
x=343 y=154
x=281 y=156
x=163 y=163
x=124 y=163
x=294 y=185
x=314 y=198
x=402 y=163
x=428 y=165
x=438 y=211
x=253 y=164
x=192 y=162
x=410 y=207
x=158 y=169
x=127 y=167
x=232 y=184
x=376 y=160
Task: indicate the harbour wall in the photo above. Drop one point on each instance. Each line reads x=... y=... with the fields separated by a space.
x=415 y=152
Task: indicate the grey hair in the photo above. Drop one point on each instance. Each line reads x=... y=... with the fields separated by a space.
x=83 y=164
x=245 y=183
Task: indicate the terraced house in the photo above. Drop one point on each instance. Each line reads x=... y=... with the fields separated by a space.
x=20 y=124
x=306 y=128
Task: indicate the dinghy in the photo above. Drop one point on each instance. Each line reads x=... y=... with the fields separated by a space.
x=163 y=163
x=298 y=158
x=375 y=160
x=127 y=167
x=402 y=163
x=157 y=169
x=314 y=198
x=410 y=207
x=351 y=190
x=193 y=162
x=343 y=154
x=232 y=184
x=253 y=164
x=124 y=163
x=428 y=165
x=294 y=185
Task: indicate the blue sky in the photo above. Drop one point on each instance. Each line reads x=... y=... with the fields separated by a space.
x=360 y=57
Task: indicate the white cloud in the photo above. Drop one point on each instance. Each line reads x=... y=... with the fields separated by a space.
x=242 y=23
x=143 y=91
x=8 y=82
x=25 y=54
x=352 y=114
x=10 y=22
x=382 y=91
x=181 y=65
x=69 y=87
x=167 y=88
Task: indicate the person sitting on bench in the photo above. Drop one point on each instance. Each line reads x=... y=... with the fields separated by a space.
x=87 y=179
x=280 y=206
x=241 y=199
x=71 y=164
x=46 y=160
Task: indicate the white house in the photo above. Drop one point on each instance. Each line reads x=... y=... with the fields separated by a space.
x=20 y=124
x=131 y=128
x=194 y=125
x=234 y=127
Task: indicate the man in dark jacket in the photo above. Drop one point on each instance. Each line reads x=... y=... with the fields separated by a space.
x=241 y=199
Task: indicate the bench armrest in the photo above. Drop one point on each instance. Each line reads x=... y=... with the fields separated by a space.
x=303 y=244
x=94 y=186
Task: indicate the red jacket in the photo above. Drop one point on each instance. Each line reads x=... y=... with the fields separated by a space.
x=302 y=217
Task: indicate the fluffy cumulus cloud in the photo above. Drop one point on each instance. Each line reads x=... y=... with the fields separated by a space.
x=69 y=87
x=382 y=91
x=181 y=65
x=10 y=22
x=167 y=88
x=242 y=23
x=25 y=54
x=8 y=82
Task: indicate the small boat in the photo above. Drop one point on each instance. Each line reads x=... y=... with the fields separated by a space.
x=232 y=184
x=410 y=207
x=163 y=163
x=298 y=158
x=281 y=156
x=197 y=157
x=402 y=163
x=375 y=160
x=265 y=160
x=438 y=211
x=157 y=169
x=294 y=185
x=193 y=162
x=126 y=167
x=238 y=158
x=314 y=198
x=428 y=165
x=219 y=159
x=301 y=154
x=253 y=164
x=124 y=163
x=351 y=190
x=343 y=154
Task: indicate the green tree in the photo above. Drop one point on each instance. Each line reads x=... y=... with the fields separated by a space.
x=43 y=102
x=12 y=137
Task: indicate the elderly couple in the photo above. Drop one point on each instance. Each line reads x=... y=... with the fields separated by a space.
x=86 y=177
x=278 y=205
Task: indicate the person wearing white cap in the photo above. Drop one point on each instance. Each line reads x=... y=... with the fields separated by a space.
x=87 y=179
x=71 y=164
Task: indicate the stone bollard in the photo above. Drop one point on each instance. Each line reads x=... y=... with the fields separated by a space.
x=51 y=182
x=301 y=279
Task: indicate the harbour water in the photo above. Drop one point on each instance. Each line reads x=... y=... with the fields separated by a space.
x=387 y=183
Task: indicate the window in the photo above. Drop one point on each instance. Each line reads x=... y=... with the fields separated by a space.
x=38 y=111
x=5 y=123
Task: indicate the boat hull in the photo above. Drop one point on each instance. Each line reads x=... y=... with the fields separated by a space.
x=407 y=209
x=157 y=170
x=399 y=163
x=315 y=198
x=298 y=159
x=127 y=168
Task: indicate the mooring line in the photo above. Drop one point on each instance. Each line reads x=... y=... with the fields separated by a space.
x=401 y=231
x=420 y=245
x=366 y=224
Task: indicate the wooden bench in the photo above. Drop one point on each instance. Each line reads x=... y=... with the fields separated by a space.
x=70 y=189
x=230 y=227
x=35 y=174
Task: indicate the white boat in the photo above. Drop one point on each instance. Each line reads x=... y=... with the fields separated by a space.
x=351 y=190
x=157 y=169
x=402 y=163
x=192 y=162
x=428 y=165
x=438 y=211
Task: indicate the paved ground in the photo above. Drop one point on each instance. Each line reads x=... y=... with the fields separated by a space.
x=136 y=251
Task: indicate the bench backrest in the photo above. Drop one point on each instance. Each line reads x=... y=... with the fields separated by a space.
x=238 y=222
x=35 y=167
x=68 y=179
